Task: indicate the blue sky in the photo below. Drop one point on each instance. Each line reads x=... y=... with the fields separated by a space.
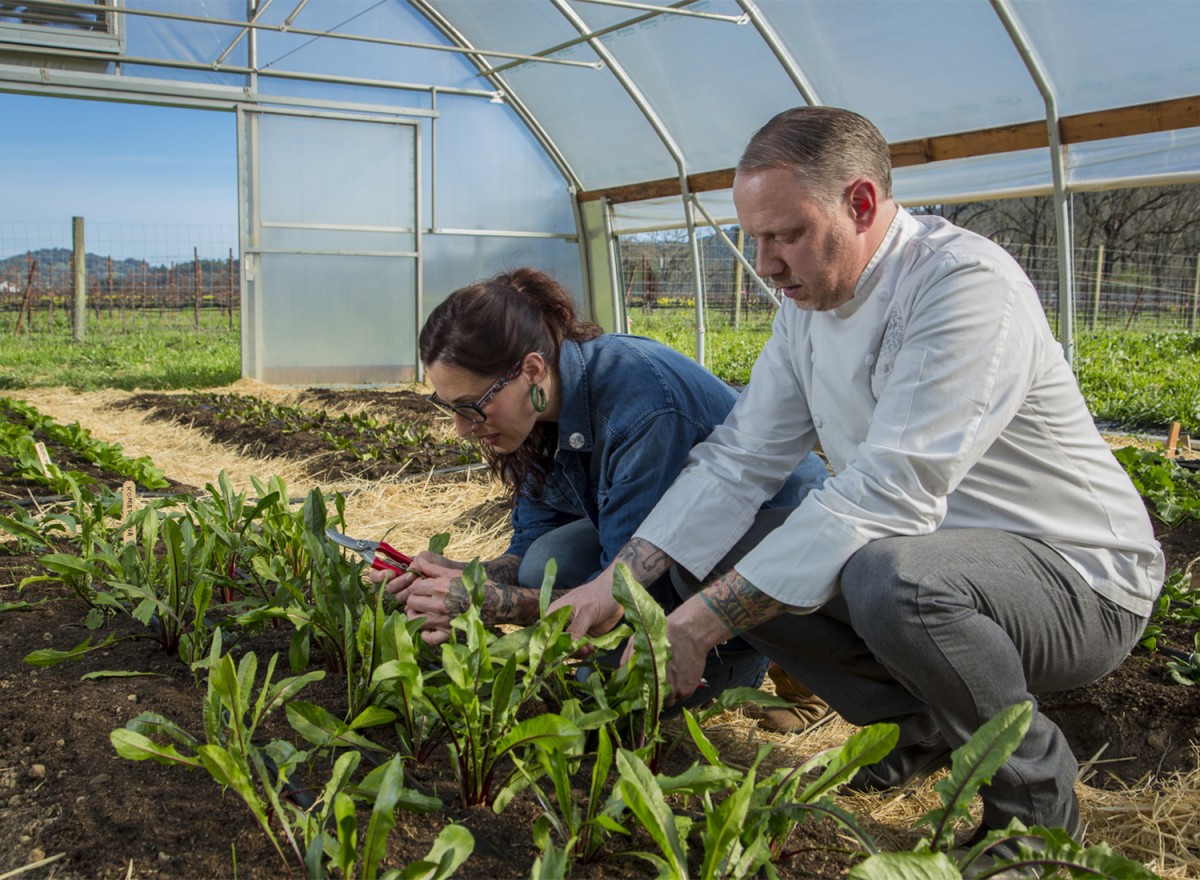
x=131 y=171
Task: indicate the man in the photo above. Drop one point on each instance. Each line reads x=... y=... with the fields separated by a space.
x=978 y=542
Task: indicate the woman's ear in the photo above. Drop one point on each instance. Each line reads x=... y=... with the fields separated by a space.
x=535 y=368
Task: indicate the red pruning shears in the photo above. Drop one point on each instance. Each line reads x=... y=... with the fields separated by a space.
x=373 y=552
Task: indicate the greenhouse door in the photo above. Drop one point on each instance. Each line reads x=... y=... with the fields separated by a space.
x=330 y=247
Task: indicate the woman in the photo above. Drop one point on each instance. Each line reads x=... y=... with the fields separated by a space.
x=585 y=429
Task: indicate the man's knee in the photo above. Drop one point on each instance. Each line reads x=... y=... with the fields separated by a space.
x=881 y=585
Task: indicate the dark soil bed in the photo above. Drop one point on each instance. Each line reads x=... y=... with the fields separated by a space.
x=266 y=435
x=63 y=790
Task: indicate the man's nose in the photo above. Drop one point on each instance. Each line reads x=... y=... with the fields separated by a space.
x=766 y=261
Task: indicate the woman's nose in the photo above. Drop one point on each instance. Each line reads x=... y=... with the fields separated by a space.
x=463 y=426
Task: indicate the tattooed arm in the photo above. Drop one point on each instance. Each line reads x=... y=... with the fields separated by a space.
x=594 y=610
x=726 y=607
x=504 y=569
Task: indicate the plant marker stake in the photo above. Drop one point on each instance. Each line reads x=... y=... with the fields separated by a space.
x=1173 y=439
x=43 y=457
x=128 y=500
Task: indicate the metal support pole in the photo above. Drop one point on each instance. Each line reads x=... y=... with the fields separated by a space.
x=1058 y=163
x=1099 y=281
x=1195 y=296
x=79 y=267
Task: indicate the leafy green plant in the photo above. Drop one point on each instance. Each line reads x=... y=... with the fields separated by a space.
x=330 y=829
x=232 y=715
x=1014 y=847
x=1173 y=491
x=1185 y=668
x=479 y=701
x=318 y=591
x=1177 y=603
x=107 y=455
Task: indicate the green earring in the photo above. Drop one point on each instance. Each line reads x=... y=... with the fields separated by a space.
x=537 y=396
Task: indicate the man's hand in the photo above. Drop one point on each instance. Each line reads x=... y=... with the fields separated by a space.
x=594 y=610
x=726 y=607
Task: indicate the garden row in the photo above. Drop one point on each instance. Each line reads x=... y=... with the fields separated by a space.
x=234 y=585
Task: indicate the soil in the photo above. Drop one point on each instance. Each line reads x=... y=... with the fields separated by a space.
x=67 y=797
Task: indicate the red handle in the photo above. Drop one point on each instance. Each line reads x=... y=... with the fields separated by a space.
x=381 y=565
x=394 y=553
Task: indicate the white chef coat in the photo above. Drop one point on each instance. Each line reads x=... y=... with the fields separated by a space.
x=942 y=400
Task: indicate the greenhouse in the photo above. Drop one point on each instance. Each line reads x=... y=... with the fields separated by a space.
x=423 y=520
x=389 y=152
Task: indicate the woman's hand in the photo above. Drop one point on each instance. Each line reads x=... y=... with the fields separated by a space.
x=421 y=566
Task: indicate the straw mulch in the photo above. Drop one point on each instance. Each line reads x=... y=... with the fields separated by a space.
x=1158 y=825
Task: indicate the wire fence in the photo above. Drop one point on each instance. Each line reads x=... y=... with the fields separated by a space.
x=1112 y=291
x=135 y=275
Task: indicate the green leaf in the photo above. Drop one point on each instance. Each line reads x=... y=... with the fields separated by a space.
x=642 y=795
x=116 y=673
x=453 y=846
x=973 y=765
x=906 y=866
x=51 y=657
x=138 y=747
x=322 y=729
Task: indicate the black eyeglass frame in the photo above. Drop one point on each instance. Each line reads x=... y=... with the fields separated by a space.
x=473 y=412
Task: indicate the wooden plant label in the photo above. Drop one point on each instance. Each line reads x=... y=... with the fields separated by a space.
x=1173 y=440
x=128 y=502
x=43 y=457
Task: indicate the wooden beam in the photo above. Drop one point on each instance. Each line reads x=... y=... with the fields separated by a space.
x=1082 y=128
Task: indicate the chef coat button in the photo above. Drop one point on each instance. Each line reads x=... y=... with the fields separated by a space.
x=818 y=423
x=870 y=360
x=575 y=441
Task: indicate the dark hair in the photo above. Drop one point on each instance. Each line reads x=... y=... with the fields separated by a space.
x=826 y=147
x=490 y=325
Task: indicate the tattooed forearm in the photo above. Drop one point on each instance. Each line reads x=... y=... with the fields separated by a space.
x=508 y=604
x=738 y=604
x=646 y=562
x=504 y=569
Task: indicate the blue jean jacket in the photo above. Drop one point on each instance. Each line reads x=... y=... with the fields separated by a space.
x=631 y=410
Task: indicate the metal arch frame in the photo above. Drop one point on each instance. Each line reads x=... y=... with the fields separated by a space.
x=785 y=58
x=452 y=33
x=668 y=141
x=738 y=255
x=1058 y=155
x=254 y=26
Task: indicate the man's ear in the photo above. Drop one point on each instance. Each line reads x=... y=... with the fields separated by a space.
x=863 y=199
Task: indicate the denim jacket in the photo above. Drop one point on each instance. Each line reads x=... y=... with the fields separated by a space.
x=631 y=411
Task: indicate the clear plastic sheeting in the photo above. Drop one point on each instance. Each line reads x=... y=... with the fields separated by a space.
x=332 y=320
x=534 y=130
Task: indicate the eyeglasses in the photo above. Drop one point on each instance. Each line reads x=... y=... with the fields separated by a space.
x=473 y=412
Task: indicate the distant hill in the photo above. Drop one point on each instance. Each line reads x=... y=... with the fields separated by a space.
x=59 y=259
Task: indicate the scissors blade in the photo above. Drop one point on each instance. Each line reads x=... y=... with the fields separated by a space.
x=360 y=546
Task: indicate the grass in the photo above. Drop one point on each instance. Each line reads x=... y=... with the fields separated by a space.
x=153 y=352
x=1137 y=380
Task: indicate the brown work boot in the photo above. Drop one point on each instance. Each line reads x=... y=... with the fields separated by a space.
x=806 y=709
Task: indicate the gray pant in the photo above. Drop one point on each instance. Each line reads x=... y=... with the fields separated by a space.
x=938 y=633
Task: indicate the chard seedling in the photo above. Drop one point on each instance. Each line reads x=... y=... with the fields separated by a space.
x=1185 y=668
x=232 y=715
x=1036 y=849
x=481 y=694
